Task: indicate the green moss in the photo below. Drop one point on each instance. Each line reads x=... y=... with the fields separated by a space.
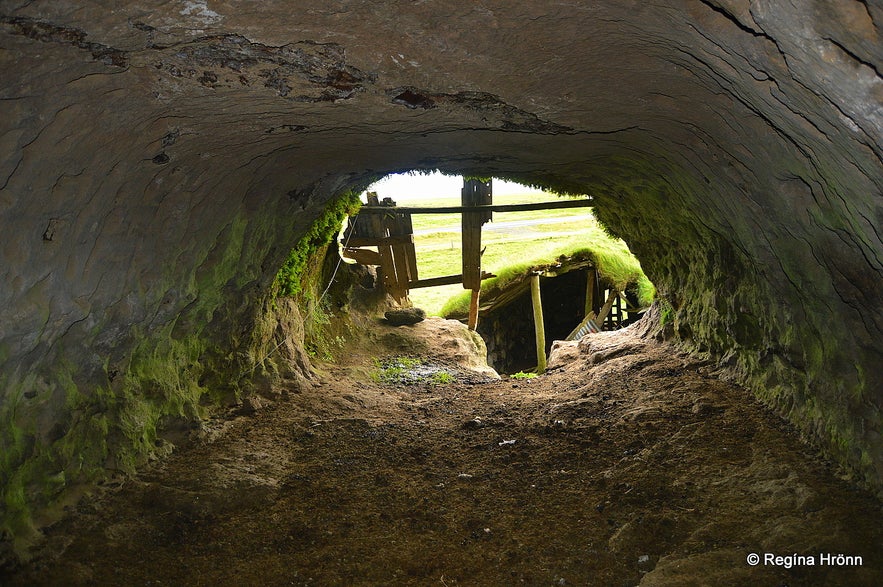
x=291 y=279
x=441 y=378
x=100 y=424
x=174 y=372
x=15 y=473
x=666 y=313
x=217 y=270
x=523 y=375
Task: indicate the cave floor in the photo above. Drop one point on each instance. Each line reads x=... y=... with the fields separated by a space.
x=630 y=464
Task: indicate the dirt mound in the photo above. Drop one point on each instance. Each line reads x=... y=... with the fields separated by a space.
x=628 y=464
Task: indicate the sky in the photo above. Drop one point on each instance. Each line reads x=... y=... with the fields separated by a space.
x=404 y=187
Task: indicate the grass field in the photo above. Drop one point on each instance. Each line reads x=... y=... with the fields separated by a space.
x=513 y=238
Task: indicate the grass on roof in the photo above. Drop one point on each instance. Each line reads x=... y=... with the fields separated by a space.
x=610 y=255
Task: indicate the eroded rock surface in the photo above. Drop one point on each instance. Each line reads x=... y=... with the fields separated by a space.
x=161 y=158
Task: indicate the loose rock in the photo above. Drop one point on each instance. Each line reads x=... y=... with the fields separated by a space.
x=404 y=316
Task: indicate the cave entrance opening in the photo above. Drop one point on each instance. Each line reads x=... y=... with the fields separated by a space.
x=425 y=218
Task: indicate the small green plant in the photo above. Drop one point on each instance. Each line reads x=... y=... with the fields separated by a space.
x=408 y=371
x=523 y=375
x=441 y=378
x=394 y=370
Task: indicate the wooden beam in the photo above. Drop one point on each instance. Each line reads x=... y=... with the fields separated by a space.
x=590 y=292
x=487 y=208
x=474 y=192
x=471 y=252
x=407 y=228
x=473 y=309
x=539 y=327
x=445 y=280
x=587 y=325
x=607 y=305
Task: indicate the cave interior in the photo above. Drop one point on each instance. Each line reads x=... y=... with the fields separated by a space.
x=160 y=159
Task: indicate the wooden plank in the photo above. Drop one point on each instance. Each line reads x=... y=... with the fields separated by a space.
x=590 y=292
x=471 y=238
x=379 y=231
x=587 y=325
x=473 y=309
x=394 y=227
x=478 y=193
x=407 y=228
x=445 y=280
x=539 y=327
x=400 y=260
x=607 y=305
x=473 y=192
x=559 y=269
x=482 y=208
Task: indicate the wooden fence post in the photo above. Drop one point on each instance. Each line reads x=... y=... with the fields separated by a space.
x=539 y=327
x=590 y=291
x=474 y=193
x=473 y=309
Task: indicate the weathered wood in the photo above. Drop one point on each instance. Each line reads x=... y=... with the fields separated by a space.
x=407 y=228
x=445 y=280
x=616 y=312
x=607 y=305
x=587 y=325
x=481 y=208
x=471 y=253
x=539 y=327
x=590 y=292
x=399 y=227
x=560 y=268
x=473 y=192
x=473 y=309
x=379 y=231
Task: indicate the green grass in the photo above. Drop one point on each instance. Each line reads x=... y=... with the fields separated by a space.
x=511 y=251
x=523 y=375
x=424 y=222
x=441 y=378
x=408 y=371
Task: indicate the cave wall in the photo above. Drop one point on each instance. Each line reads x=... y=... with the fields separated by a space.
x=159 y=159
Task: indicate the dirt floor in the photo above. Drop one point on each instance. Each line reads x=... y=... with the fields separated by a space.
x=626 y=464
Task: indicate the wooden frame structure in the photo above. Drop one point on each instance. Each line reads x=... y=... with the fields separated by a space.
x=389 y=228
x=392 y=232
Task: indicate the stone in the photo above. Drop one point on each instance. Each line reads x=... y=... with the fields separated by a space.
x=473 y=424
x=251 y=405
x=404 y=316
x=563 y=353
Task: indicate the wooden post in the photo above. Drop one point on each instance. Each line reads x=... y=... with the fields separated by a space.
x=602 y=315
x=474 y=193
x=377 y=229
x=473 y=309
x=590 y=292
x=539 y=327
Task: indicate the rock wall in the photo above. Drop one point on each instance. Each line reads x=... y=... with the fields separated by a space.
x=159 y=158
